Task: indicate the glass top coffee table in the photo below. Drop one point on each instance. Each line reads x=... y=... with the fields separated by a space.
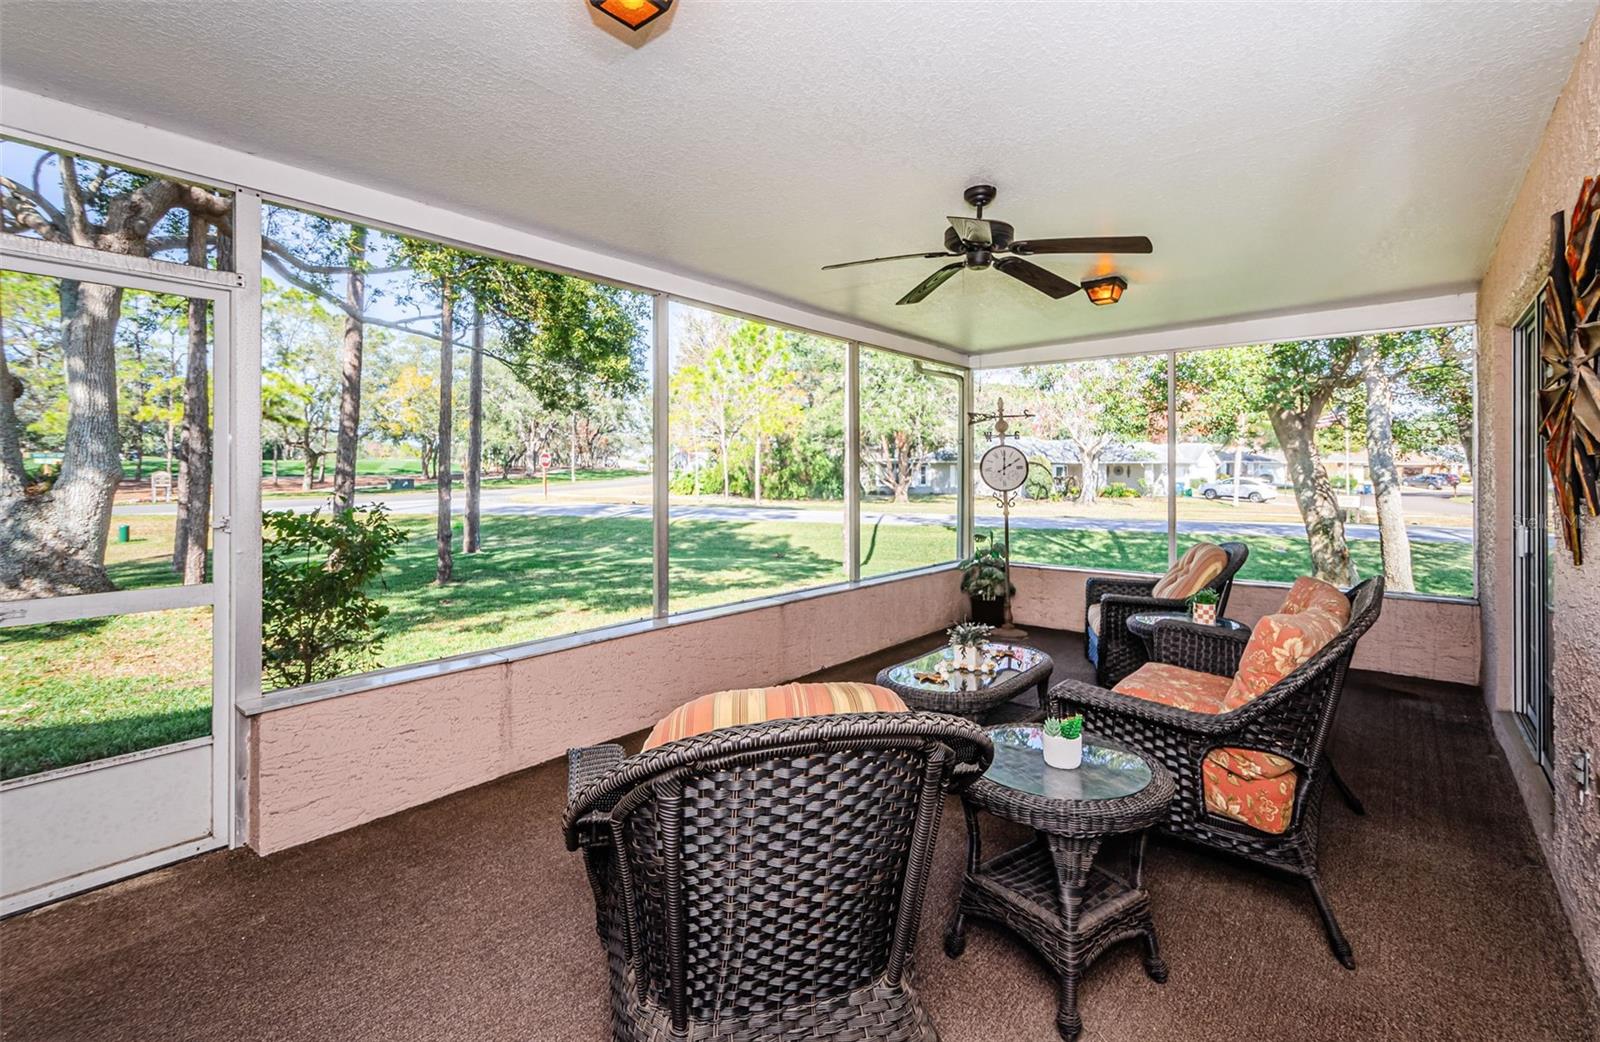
x=922 y=684
x=1050 y=891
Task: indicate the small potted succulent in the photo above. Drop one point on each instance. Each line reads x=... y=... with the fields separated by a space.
x=1063 y=741
x=1203 y=607
x=967 y=640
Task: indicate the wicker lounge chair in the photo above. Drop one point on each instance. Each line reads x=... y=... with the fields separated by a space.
x=766 y=881
x=1108 y=602
x=1225 y=754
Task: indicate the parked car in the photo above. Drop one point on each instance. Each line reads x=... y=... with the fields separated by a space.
x=1437 y=482
x=1252 y=489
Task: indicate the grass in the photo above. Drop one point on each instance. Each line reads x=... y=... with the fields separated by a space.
x=71 y=692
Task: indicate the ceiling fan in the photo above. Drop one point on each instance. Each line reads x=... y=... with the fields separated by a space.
x=978 y=241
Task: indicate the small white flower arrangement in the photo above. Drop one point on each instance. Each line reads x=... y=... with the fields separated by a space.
x=967 y=640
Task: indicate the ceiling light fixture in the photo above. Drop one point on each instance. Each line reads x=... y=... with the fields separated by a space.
x=1105 y=291
x=635 y=14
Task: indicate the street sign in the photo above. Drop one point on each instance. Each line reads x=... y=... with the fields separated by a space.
x=544 y=460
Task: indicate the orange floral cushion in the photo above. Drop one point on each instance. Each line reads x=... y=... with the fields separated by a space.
x=1253 y=787
x=1308 y=593
x=757 y=704
x=1278 y=646
x=1175 y=686
x=1199 y=564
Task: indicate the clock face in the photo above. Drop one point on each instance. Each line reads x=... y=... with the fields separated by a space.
x=1003 y=468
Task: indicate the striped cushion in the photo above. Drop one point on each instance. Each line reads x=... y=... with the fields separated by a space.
x=1194 y=571
x=755 y=704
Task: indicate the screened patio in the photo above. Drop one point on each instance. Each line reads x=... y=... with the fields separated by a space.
x=425 y=550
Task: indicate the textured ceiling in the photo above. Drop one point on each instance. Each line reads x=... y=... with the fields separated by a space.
x=1280 y=156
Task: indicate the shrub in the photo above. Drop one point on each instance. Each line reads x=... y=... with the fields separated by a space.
x=317 y=621
x=1117 y=490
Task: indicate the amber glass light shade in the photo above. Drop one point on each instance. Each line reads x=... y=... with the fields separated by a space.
x=1105 y=291
x=635 y=14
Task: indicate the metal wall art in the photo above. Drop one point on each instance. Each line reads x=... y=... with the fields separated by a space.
x=1569 y=397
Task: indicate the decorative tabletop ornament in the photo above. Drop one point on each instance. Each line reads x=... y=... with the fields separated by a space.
x=1203 y=607
x=1569 y=397
x=1063 y=742
x=966 y=641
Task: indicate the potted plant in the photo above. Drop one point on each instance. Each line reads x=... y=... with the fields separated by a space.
x=983 y=579
x=967 y=640
x=1063 y=741
x=1203 y=607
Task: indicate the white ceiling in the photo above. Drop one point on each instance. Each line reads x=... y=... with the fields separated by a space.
x=1280 y=156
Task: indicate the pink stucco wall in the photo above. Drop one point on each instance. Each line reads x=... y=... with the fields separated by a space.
x=321 y=767
x=1569 y=151
x=1414 y=637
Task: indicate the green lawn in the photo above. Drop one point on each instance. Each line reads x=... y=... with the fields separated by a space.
x=78 y=691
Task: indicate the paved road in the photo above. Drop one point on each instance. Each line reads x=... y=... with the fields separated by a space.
x=524 y=502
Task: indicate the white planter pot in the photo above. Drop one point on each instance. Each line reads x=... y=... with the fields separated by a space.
x=967 y=657
x=1063 y=753
x=1205 y=614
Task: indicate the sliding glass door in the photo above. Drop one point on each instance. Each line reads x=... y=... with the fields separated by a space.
x=1535 y=548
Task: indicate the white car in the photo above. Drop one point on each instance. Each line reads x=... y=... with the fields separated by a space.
x=1252 y=489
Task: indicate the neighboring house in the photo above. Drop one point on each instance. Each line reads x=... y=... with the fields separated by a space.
x=1139 y=465
x=938 y=475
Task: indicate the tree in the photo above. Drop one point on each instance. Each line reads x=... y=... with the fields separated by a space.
x=906 y=418
x=407 y=412
x=54 y=541
x=1097 y=404
x=474 y=475
x=1374 y=362
x=350 y=359
x=193 y=530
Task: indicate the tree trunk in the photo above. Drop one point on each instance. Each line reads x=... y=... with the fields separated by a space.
x=900 y=473
x=355 y=297
x=54 y=543
x=13 y=472
x=1392 y=537
x=759 y=440
x=194 y=448
x=1319 y=509
x=308 y=459
x=722 y=436
x=1238 y=455
x=474 y=462
x=572 y=452
x=446 y=379
x=1089 y=473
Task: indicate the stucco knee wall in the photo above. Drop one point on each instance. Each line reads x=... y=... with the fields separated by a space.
x=1414 y=636
x=326 y=766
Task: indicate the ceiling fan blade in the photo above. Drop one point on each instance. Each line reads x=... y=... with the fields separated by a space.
x=931 y=283
x=898 y=256
x=1085 y=244
x=1045 y=281
x=973 y=230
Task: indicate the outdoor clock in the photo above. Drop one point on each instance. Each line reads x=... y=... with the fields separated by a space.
x=1003 y=468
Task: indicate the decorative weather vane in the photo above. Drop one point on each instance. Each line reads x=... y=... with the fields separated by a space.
x=1004 y=468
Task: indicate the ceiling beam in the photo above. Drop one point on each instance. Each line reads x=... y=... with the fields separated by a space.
x=1438 y=307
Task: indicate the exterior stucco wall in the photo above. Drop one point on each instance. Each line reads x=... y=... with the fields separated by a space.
x=1569 y=151
x=322 y=767
x=1413 y=637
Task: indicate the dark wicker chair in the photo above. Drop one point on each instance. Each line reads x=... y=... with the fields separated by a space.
x=1114 y=651
x=1292 y=719
x=766 y=881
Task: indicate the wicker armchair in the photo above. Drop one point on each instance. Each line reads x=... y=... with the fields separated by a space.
x=766 y=881
x=1293 y=719
x=1114 y=651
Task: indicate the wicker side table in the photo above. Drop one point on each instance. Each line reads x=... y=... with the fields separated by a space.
x=1050 y=892
x=971 y=695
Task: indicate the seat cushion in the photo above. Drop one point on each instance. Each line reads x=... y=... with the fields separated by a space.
x=1195 y=570
x=1279 y=644
x=1308 y=593
x=1175 y=686
x=1094 y=616
x=757 y=704
x=1252 y=787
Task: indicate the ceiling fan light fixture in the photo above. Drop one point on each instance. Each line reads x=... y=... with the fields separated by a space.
x=635 y=14
x=1105 y=291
